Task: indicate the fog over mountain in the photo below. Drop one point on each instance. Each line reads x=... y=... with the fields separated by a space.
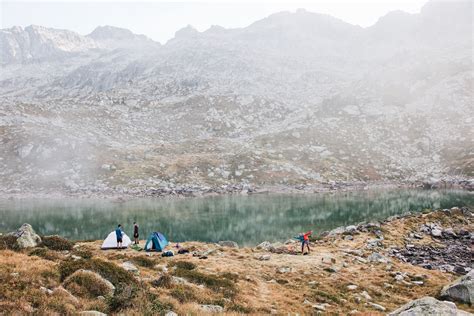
x=295 y=98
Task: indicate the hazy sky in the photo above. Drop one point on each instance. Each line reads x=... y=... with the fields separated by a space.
x=160 y=20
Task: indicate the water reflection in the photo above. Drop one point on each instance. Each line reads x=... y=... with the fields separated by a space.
x=245 y=219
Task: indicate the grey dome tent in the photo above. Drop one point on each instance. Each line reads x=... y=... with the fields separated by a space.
x=156 y=242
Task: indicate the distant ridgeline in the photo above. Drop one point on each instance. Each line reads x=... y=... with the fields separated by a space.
x=294 y=98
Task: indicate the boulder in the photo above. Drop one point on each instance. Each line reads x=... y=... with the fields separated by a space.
x=428 y=306
x=461 y=290
x=87 y=283
x=266 y=245
x=377 y=306
x=212 y=308
x=26 y=237
x=228 y=243
x=171 y=313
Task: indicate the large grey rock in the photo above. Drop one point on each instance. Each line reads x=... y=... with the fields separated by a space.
x=461 y=290
x=228 y=243
x=428 y=306
x=266 y=245
x=26 y=237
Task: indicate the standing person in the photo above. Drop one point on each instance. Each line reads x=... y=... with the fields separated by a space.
x=136 y=235
x=305 y=241
x=119 y=234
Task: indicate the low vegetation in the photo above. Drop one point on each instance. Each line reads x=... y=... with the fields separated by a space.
x=56 y=243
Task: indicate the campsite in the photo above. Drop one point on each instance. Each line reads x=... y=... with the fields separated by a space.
x=357 y=270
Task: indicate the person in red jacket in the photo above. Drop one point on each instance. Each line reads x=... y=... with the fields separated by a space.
x=306 y=242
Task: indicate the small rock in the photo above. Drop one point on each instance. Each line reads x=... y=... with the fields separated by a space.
x=352 y=287
x=171 y=313
x=264 y=257
x=228 y=243
x=417 y=282
x=332 y=269
x=366 y=295
x=377 y=258
x=212 y=308
x=45 y=290
x=399 y=277
x=127 y=265
x=284 y=270
x=92 y=313
x=319 y=307
x=266 y=245
x=436 y=232
x=377 y=307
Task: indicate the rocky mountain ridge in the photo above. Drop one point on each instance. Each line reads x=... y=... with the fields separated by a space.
x=295 y=98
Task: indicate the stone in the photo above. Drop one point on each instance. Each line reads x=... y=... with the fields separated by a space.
x=266 y=245
x=127 y=265
x=351 y=229
x=399 y=277
x=332 y=269
x=284 y=270
x=319 y=307
x=461 y=290
x=436 y=232
x=92 y=313
x=171 y=313
x=352 y=287
x=212 y=308
x=328 y=259
x=428 y=306
x=348 y=237
x=377 y=258
x=374 y=243
x=26 y=237
x=377 y=306
x=46 y=290
x=228 y=243
x=366 y=295
x=265 y=257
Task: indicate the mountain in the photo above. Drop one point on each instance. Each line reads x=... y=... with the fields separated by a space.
x=293 y=99
x=114 y=37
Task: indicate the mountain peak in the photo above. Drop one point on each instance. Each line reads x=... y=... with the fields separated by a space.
x=116 y=37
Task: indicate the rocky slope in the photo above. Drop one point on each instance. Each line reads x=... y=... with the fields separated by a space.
x=295 y=98
x=350 y=270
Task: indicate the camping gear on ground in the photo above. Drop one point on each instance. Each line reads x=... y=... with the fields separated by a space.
x=156 y=242
x=183 y=251
x=168 y=253
x=111 y=241
x=136 y=247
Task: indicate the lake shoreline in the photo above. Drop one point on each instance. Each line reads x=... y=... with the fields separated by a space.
x=197 y=192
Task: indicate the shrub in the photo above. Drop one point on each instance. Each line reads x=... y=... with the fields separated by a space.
x=112 y=272
x=8 y=242
x=240 y=309
x=83 y=253
x=123 y=297
x=184 y=265
x=143 y=261
x=183 y=294
x=44 y=253
x=88 y=284
x=56 y=242
x=214 y=282
x=165 y=281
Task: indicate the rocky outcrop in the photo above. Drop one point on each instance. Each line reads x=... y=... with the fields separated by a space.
x=428 y=306
x=26 y=237
x=461 y=290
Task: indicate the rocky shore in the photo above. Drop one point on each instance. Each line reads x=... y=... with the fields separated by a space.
x=188 y=190
x=414 y=264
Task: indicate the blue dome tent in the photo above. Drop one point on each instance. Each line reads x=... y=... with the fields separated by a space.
x=156 y=242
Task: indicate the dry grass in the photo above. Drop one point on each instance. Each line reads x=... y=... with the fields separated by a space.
x=231 y=278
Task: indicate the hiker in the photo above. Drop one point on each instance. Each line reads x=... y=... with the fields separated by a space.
x=136 y=235
x=119 y=235
x=305 y=241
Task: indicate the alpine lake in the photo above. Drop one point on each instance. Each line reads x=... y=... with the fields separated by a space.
x=246 y=219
